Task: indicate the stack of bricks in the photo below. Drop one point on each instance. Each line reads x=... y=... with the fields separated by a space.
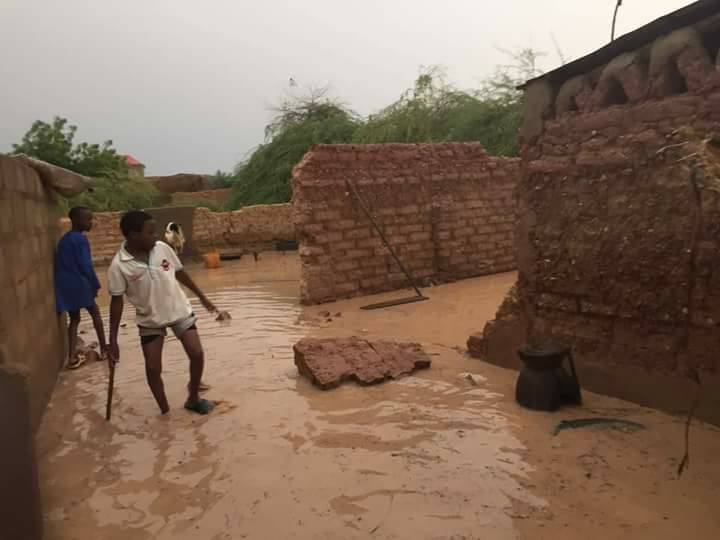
x=618 y=245
x=32 y=337
x=446 y=209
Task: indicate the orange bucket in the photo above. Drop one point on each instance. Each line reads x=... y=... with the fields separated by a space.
x=212 y=259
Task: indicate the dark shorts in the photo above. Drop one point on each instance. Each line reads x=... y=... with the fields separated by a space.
x=148 y=335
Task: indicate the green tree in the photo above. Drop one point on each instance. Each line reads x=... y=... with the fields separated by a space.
x=113 y=190
x=222 y=179
x=264 y=177
x=435 y=111
x=431 y=111
x=53 y=142
x=116 y=193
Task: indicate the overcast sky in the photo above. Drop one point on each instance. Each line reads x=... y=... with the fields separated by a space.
x=185 y=85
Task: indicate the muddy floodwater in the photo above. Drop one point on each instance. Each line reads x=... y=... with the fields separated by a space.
x=430 y=456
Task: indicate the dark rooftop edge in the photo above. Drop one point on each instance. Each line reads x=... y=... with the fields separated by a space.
x=636 y=39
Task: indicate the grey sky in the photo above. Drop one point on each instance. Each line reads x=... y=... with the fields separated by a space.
x=185 y=85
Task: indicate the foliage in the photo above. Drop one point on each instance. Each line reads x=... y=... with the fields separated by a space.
x=115 y=193
x=434 y=111
x=53 y=142
x=113 y=190
x=221 y=180
x=264 y=178
x=431 y=111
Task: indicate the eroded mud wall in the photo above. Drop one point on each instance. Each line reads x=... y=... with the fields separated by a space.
x=619 y=229
x=32 y=341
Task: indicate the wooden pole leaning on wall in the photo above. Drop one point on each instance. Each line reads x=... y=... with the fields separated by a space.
x=419 y=297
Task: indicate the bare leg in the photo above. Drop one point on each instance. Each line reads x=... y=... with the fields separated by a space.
x=99 y=330
x=153 y=371
x=73 y=334
x=193 y=348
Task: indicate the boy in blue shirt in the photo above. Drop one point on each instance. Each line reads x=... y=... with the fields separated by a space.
x=76 y=284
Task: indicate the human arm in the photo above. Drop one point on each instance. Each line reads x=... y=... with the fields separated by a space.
x=117 y=285
x=184 y=278
x=116 y=309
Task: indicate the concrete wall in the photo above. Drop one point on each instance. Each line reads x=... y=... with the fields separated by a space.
x=32 y=343
x=447 y=209
x=253 y=228
x=618 y=247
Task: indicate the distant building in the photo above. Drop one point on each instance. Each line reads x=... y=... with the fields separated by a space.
x=135 y=168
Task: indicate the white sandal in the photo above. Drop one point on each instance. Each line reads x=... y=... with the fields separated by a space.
x=76 y=362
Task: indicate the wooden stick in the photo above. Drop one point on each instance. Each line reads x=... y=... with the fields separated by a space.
x=111 y=385
x=685 y=462
x=377 y=228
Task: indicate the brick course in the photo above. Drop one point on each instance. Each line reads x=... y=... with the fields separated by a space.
x=436 y=203
x=253 y=228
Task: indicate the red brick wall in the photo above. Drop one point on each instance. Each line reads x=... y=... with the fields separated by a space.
x=618 y=240
x=447 y=209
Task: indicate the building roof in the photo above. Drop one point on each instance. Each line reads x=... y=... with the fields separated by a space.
x=131 y=161
x=691 y=14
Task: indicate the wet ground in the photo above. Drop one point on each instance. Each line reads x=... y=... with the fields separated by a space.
x=430 y=456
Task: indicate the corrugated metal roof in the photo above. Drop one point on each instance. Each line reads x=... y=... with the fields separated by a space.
x=131 y=161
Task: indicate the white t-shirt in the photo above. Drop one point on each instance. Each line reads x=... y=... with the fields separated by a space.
x=152 y=288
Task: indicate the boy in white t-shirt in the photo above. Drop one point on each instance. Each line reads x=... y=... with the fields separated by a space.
x=149 y=273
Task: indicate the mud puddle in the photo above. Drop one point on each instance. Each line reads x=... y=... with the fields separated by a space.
x=428 y=456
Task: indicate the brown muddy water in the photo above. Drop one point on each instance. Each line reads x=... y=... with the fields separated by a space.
x=429 y=456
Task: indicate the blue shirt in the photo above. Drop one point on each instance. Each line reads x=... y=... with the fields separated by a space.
x=76 y=283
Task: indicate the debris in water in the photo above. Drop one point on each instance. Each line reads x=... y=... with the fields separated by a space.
x=329 y=362
x=611 y=423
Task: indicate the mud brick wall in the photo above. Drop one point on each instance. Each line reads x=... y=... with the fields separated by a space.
x=105 y=237
x=253 y=228
x=181 y=182
x=32 y=339
x=217 y=196
x=619 y=229
x=447 y=209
